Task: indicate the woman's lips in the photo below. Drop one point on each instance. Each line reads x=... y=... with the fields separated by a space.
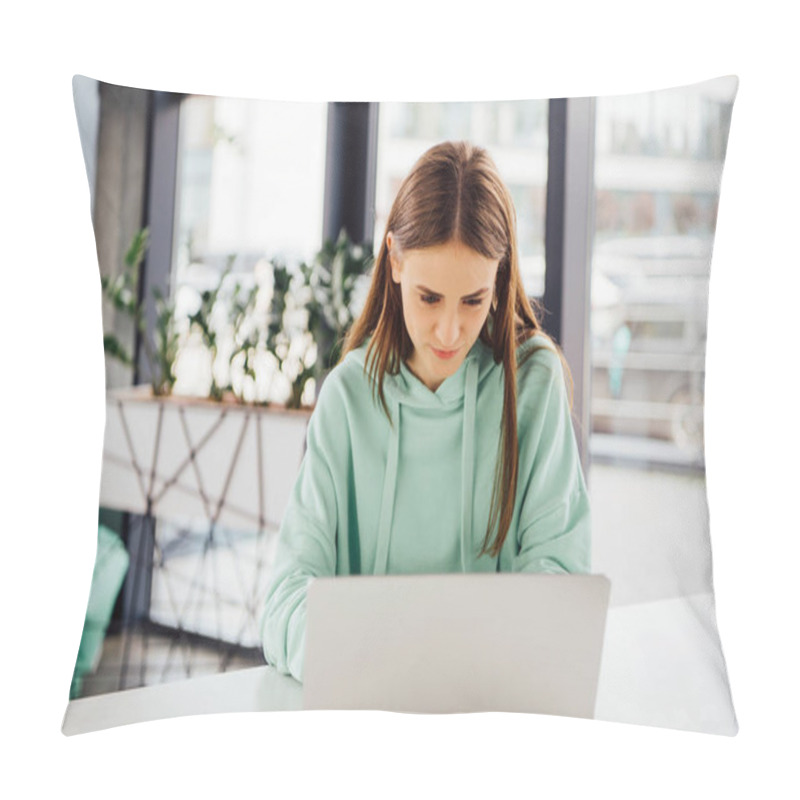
x=444 y=354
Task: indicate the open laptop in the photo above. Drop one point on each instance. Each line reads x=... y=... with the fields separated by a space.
x=455 y=643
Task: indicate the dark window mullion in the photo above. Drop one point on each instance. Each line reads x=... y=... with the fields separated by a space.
x=350 y=167
x=568 y=247
x=159 y=213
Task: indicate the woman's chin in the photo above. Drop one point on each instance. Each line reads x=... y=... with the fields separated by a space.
x=445 y=368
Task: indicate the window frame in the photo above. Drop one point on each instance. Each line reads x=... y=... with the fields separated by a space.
x=349 y=202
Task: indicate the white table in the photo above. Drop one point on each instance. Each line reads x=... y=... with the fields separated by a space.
x=662 y=665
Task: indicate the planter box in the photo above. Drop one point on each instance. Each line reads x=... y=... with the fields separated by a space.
x=187 y=458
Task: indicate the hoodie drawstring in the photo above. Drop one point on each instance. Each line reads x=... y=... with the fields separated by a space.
x=468 y=460
x=387 y=498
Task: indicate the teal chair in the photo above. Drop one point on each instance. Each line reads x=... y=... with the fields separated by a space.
x=110 y=568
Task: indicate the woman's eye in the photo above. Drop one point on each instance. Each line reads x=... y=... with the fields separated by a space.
x=431 y=299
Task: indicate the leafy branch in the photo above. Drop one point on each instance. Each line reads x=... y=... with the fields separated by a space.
x=246 y=342
x=201 y=321
x=333 y=278
x=122 y=291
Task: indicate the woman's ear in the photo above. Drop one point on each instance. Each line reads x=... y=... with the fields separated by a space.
x=394 y=264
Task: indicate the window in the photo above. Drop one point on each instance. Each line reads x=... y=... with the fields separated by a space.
x=657 y=170
x=251 y=185
x=514 y=133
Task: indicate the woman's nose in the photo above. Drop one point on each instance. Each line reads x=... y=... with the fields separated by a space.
x=447 y=329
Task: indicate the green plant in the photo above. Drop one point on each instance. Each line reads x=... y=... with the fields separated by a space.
x=282 y=334
x=324 y=290
x=246 y=334
x=333 y=278
x=167 y=341
x=123 y=292
x=201 y=321
x=309 y=315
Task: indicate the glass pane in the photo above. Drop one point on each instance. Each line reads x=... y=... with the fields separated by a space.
x=250 y=185
x=514 y=133
x=657 y=169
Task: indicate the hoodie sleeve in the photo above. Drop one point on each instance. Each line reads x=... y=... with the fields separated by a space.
x=554 y=531
x=306 y=546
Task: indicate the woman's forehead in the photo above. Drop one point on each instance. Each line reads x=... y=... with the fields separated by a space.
x=449 y=271
x=443 y=258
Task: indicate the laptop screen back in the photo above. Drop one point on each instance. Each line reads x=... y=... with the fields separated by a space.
x=456 y=643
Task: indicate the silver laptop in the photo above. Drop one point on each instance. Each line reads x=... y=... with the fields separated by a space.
x=455 y=643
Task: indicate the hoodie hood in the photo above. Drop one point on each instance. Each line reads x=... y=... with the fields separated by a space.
x=407 y=389
x=458 y=394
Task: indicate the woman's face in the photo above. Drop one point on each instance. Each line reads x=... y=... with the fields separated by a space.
x=447 y=292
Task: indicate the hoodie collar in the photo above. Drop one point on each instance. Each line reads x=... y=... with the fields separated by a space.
x=406 y=389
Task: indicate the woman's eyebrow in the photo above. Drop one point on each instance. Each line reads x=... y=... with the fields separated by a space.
x=426 y=290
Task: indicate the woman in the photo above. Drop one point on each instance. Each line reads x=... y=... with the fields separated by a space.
x=442 y=441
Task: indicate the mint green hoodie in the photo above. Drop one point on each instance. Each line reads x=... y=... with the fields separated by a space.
x=414 y=497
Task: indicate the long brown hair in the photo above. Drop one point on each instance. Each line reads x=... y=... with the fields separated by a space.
x=454 y=193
